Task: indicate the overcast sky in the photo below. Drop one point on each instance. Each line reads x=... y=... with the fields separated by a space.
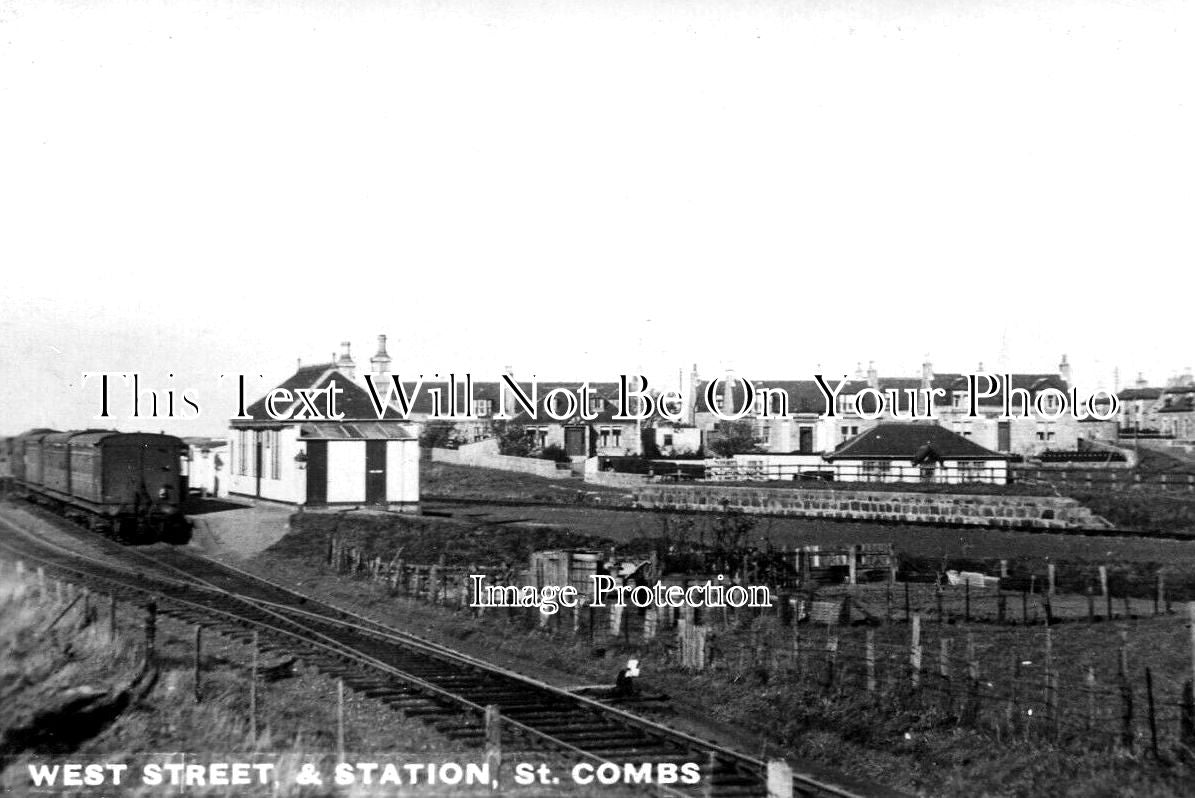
x=579 y=190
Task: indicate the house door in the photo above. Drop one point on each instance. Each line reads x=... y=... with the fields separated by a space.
x=1003 y=436
x=375 y=472
x=574 y=441
x=317 y=472
x=806 y=439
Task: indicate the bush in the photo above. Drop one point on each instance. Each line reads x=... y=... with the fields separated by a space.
x=557 y=453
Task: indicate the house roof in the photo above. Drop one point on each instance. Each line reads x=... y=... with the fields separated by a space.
x=354 y=401
x=912 y=441
x=422 y=402
x=356 y=431
x=804 y=396
x=1140 y=393
x=1179 y=404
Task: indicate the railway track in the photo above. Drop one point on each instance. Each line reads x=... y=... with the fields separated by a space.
x=437 y=685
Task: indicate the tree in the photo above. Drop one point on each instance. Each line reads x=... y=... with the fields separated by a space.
x=513 y=439
x=438 y=435
x=733 y=437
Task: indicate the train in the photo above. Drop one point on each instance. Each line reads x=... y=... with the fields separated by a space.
x=129 y=485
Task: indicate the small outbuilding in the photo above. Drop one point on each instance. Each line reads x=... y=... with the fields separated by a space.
x=912 y=452
x=314 y=461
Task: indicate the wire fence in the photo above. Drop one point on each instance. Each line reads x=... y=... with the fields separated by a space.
x=1120 y=677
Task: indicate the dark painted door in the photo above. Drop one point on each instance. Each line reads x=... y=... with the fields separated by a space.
x=1003 y=436
x=375 y=472
x=806 y=440
x=574 y=441
x=317 y=472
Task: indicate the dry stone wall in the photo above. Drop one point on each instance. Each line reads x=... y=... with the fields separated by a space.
x=1037 y=512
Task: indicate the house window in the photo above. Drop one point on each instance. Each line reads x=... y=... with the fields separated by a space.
x=849 y=431
x=610 y=436
x=971 y=471
x=596 y=404
x=846 y=404
x=1045 y=432
x=482 y=407
x=874 y=470
x=538 y=435
x=667 y=439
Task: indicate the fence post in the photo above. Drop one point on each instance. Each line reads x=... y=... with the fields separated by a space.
x=1153 y=721
x=493 y=740
x=870 y=655
x=973 y=679
x=198 y=663
x=831 y=657
x=1126 y=698
x=1090 y=604
x=938 y=597
x=340 y=720
x=1191 y=627
x=944 y=673
x=915 y=651
x=1187 y=715
x=1014 y=714
x=253 y=691
x=1050 y=578
x=780 y=779
x=1090 y=683
x=151 y=631
x=1104 y=590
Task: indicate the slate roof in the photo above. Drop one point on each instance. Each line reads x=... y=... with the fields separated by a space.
x=1139 y=393
x=354 y=401
x=1179 y=404
x=909 y=441
x=355 y=431
x=804 y=396
x=492 y=391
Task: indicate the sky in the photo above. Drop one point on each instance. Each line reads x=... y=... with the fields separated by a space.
x=580 y=190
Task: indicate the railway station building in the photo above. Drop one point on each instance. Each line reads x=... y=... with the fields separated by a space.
x=314 y=461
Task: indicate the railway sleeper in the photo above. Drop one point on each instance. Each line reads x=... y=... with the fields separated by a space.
x=632 y=750
x=581 y=726
x=585 y=739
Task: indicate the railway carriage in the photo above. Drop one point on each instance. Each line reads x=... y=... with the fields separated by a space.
x=130 y=484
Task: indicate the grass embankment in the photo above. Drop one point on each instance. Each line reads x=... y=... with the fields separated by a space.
x=72 y=694
x=447 y=481
x=430 y=540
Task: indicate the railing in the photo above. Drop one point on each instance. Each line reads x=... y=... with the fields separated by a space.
x=878 y=472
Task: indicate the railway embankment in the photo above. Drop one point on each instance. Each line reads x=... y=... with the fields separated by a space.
x=955 y=509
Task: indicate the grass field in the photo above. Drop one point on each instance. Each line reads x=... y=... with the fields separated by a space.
x=770 y=702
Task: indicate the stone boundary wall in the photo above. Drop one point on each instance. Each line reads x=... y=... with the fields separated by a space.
x=615 y=480
x=1039 y=512
x=523 y=465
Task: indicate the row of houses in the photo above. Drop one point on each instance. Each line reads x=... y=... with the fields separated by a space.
x=1167 y=411
x=361 y=458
